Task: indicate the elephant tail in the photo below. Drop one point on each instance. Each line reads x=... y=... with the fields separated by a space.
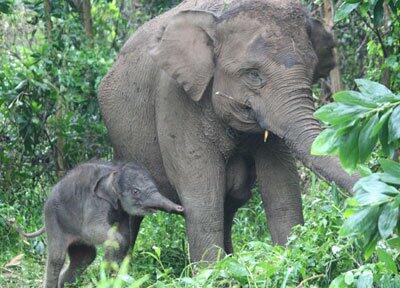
x=33 y=234
x=21 y=232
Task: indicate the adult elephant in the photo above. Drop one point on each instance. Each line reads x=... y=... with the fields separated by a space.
x=191 y=95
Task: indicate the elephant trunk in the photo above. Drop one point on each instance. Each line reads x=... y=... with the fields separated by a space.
x=299 y=129
x=158 y=201
x=328 y=167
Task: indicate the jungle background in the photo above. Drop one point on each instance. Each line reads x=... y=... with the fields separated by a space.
x=54 y=53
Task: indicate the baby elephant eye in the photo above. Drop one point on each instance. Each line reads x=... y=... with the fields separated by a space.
x=254 y=78
x=135 y=192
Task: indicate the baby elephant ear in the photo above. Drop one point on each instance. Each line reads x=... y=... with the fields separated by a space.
x=324 y=45
x=184 y=49
x=104 y=189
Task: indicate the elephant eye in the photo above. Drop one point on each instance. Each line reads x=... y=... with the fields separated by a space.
x=135 y=192
x=253 y=78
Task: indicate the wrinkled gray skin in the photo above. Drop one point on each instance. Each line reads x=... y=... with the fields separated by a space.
x=85 y=205
x=205 y=149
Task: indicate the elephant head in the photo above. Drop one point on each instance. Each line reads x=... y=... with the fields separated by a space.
x=259 y=60
x=133 y=187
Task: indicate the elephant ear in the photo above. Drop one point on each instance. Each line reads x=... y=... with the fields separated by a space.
x=104 y=188
x=185 y=50
x=323 y=44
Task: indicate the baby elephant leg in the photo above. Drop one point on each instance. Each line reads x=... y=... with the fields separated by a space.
x=80 y=257
x=55 y=262
x=116 y=246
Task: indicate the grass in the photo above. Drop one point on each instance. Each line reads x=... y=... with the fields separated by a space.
x=314 y=257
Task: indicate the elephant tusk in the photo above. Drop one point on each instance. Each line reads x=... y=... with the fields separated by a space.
x=265 y=135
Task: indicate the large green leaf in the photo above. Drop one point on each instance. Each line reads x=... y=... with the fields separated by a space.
x=391 y=167
x=373 y=197
x=383 y=120
x=387 y=149
x=344 y=10
x=362 y=221
x=365 y=280
x=373 y=89
x=366 y=142
x=388 y=220
x=394 y=125
x=371 y=184
x=394 y=242
x=339 y=114
x=325 y=143
x=386 y=258
x=354 y=98
x=348 y=150
x=338 y=282
x=388 y=178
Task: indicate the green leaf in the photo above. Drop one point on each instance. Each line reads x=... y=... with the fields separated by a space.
x=349 y=278
x=348 y=150
x=373 y=89
x=339 y=114
x=387 y=149
x=344 y=10
x=369 y=248
x=237 y=270
x=394 y=242
x=375 y=197
x=354 y=98
x=360 y=222
x=338 y=282
x=382 y=120
x=325 y=143
x=387 y=259
x=366 y=142
x=372 y=185
x=391 y=167
x=394 y=125
x=378 y=12
x=388 y=178
x=365 y=280
x=388 y=220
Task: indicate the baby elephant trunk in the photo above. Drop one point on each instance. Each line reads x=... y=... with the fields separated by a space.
x=157 y=201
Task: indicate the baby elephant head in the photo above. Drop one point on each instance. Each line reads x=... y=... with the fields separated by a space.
x=135 y=189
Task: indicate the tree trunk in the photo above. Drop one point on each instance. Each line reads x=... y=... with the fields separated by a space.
x=87 y=18
x=59 y=146
x=47 y=16
x=59 y=151
x=336 y=83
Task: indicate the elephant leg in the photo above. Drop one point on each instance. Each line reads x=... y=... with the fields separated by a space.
x=231 y=206
x=203 y=202
x=116 y=248
x=200 y=184
x=240 y=177
x=134 y=224
x=57 y=244
x=129 y=227
x=80 y=256
x=280 y=188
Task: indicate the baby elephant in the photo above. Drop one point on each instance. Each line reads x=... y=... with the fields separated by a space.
x=84 y=207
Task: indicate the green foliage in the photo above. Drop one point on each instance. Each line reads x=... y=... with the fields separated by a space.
x=374 y=8
x=357 y=121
